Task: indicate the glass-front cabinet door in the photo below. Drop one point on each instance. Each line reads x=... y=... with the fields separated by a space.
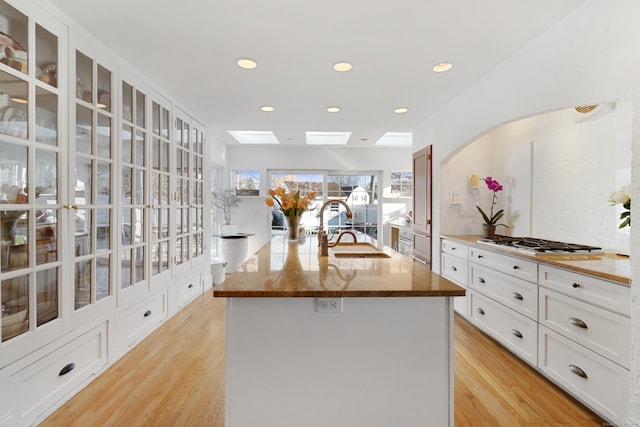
x=31 y=165
x=92 y=184
x=134 y=199
x=160 y=208
x=189 y=195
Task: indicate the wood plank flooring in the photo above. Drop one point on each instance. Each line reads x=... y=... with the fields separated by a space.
x=175 y=377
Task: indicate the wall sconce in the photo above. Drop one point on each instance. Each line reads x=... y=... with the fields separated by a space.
x=474 y=181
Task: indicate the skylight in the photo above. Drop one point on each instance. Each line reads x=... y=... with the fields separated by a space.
x=396 y=139
x=254 y=136
x=327 y=138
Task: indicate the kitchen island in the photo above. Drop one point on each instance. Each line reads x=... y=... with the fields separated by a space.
x=385 y=358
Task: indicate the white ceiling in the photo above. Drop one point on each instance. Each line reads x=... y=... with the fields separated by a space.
x=190 y=49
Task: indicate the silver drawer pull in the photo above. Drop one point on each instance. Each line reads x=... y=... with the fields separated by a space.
x=516 y=333
x=579 y=372
x=517 y=295
x=479 y=310
x=575 y=285
x=481 y=280
x=454 y=268
x=579 y=323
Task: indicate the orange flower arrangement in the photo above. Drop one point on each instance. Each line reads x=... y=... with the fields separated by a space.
x=292 y=205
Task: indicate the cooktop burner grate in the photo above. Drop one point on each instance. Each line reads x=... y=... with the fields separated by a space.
x=540 y=245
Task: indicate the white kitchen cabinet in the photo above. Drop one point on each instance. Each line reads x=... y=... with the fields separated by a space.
x=595 y=380
x=511 y=265
x=516 y=332
x=454 y=266
x=89 y=185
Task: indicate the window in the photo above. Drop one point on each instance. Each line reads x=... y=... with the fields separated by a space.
x=401 y=185
x=247 y=182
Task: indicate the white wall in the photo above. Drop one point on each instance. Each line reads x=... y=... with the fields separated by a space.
x=590 y=56
x=253 y=215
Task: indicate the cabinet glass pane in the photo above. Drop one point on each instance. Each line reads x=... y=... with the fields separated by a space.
x=164 y=189
x=138 y=225
x=13 y=173
x=46 y=236
x=140 y=109
x=125 y=268
x=16 y=30
x=46 y=117
x=127 y=185
x=103 y=276
x=127 y=134
x=126 y=237
x=179 y=132
x=13 y=106
x=179 y=251
x=138 y=198
x=185 y=136
x=84 y=130
x=165 y=156
x=139 y=265
x=82 y=283
x=155 y=259
x=103 y=229
x=46 y=177
x=82 y=232
x=165 y=123
x=104 y=88
x=139 y=151
x=164 y=256
x=103 y=135
x=155 y=153
x=84 y=77
x=15 y=240
x=164 y=218
x=179 y=160
x=83 y=195
x=156 y=118
x=103 y=181
x=127 y=101
x=46 y=56
x=46 y=295
x=14 y=294
x=155 y=188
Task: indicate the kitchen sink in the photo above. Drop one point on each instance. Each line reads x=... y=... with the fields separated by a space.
x=357 y=250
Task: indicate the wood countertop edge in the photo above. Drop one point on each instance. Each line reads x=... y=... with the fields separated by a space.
x=339 y=294
x=468 y=240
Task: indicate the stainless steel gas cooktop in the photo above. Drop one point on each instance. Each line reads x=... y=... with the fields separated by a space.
x=541 y=245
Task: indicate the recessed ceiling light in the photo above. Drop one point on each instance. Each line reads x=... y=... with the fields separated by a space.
x=333 y=109
x=267 y=108
x=327 y=138
x=342 y=66
x=396 y=139
x=442 y=67
x=246 y=63
x=254 y=136
x=401 y=110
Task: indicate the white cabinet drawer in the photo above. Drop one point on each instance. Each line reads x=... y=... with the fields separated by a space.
x=518 y=294
x=517 y=333
x=422 y=247
x=146 y=316
x=513 y=266
x=603 y=293
x=596 y=381
x=47 y=380
x=189 y=289
x=454 y=269
x=600 y=330
x=454 y=248
x=460 y=305
x=405 y=233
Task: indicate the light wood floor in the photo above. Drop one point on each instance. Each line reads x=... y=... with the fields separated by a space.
x=176 y=378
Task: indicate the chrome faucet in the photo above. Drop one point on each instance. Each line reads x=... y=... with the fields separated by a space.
x=323 y=240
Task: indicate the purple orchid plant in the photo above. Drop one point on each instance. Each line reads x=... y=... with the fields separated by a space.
x=492 y=219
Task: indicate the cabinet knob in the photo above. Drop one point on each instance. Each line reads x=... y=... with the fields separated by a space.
x=516 y=333
x=75 y=207
x=147 y=313
x=68 y=368
x=481 y=280
x=517 y=295
x=479 y=310
x=577 y=322
x=579 y=372
x=480 y=256
x=454 y=268
x=575 y=285
x=515 y=267
x=190 y=285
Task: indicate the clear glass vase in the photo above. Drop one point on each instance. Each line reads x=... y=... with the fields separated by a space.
x=293 y=228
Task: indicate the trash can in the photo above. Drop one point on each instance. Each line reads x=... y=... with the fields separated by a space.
x=218 y=266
